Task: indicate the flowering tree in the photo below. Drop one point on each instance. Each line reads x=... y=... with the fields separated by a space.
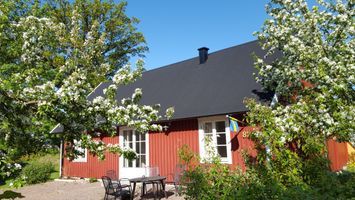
x=56 y=53
x=314 y=83
x=7 y=168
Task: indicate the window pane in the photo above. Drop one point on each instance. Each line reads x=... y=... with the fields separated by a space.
x=130 y=145
x=220 y=126
x=130 y=136
x=221 y=138
x=143 y=161
x=143 y=147
x=138 y=136
x=222 y=151
x=138 y=148
x=130 y=163
x=143 y=136
x=138 y=161
x=124 y=136
x=208 y=127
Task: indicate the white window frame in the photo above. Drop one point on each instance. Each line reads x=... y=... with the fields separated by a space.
x=201 y=136
x=125 y=128
x=80 y=158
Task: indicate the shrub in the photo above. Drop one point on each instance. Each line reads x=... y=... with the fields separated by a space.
x=37 y=172
x=215 y=180
x=92 y=180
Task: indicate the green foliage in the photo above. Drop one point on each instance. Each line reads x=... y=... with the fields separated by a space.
x=53 y=54
x=211 y=181
x=48 y=158
x=8 y=168
x=215 y=180
x=351 y=163
x=37 y=172
x=18 y=182
x=314 y=101
x=92 y=180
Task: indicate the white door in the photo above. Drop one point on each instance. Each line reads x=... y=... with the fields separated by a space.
x=139 y=143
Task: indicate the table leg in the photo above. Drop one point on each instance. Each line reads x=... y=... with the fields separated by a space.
x=163 y=186
x=134 y=189
x=143 y=189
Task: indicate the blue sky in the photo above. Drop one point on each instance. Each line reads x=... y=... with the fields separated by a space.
x=175 y=29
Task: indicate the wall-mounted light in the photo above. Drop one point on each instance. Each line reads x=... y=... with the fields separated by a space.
x=165 y=128
x=98 y=134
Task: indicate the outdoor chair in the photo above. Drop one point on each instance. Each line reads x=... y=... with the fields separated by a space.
x=175 y=178
x=150 y=172
x=123 y=182
x=114 y=190
x=112 y=175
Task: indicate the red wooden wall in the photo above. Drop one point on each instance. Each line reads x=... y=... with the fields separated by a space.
x=337 y=154
x=240 y=143
x=93 y=168
x=163 y=151
x=163 y=147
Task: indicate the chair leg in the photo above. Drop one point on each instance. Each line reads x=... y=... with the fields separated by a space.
x=155 y=190
x=176 y=189
x=143 y=190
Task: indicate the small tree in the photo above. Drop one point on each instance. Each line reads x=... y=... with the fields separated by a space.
x=314 y=82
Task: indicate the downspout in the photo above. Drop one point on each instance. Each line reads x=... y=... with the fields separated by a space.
x=61 y=159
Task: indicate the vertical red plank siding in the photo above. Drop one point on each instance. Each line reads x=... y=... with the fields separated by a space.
x=240 y=143
x=163 y=147
x=93 y=168
x=337 y=154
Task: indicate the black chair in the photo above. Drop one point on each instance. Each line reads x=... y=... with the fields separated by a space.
x=114 y=190
x=123 y=182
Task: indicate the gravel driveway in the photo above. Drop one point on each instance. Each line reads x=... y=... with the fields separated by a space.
x=61 y=190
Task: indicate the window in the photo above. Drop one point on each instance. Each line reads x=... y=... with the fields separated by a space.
x=80 y=158
x=137 y=142
x=216 y=129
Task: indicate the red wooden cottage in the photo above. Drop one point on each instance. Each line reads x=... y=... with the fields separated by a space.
x=203 y=90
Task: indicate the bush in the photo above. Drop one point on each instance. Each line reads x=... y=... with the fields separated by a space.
x=215 y=180
x=92 y=180
x=37 y=172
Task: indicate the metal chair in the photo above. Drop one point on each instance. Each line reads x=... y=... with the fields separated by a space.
x=111 y=190
x=175 y=178
x=122 y=183
x=150 y=172
x=112 y=174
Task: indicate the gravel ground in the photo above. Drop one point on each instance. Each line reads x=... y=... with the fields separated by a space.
x=61 y=190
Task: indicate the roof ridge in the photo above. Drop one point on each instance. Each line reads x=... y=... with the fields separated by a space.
x=218 y=51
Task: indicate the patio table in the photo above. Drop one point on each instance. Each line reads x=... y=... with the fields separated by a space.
x=147 y=180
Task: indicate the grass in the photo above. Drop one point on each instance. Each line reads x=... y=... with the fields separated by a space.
x=6 y=185
x=52 y=157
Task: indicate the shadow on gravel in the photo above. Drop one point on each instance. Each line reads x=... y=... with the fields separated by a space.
x=8 y=194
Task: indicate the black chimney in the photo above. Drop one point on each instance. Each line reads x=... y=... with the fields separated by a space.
x=203 y=54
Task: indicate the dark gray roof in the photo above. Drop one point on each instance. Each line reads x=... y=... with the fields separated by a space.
x=218 y=86
x=215 y=87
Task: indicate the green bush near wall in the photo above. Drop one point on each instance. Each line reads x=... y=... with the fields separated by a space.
x=37 y=172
